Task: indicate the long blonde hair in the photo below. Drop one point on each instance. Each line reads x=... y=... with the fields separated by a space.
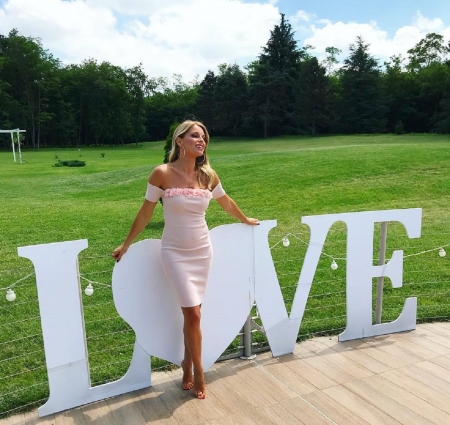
x=205 y=174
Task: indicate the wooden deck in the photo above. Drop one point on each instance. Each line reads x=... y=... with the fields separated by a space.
x=393 y=379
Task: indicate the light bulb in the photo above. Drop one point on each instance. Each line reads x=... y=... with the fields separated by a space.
x=89 y=290
x=442 y=252
x=334 y=265
x=10 y=295
x=286 y=241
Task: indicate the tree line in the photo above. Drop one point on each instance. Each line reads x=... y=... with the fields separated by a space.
x=286 y=90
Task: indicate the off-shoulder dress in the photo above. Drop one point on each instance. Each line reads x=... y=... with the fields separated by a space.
x=186 y=250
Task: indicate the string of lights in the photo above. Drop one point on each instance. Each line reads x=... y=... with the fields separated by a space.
x=89 y=290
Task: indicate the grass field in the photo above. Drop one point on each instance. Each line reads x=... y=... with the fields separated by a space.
x=283 y=179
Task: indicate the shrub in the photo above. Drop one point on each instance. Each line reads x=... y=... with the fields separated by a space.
x=168 y=145
x=71 y=163
x=399 y=129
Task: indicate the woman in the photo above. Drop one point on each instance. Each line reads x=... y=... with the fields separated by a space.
x=186 y=184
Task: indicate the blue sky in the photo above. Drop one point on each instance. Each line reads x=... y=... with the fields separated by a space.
x=389 y=14
x=188 y=37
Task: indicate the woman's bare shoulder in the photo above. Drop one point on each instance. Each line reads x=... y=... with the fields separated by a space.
x=158 y=176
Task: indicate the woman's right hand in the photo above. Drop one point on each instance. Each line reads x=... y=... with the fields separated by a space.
x=119 y=252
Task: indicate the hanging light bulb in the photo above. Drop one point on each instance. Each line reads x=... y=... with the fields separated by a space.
x=10 y=295
x=89 y=290
x=334 y=265
x=442 y=252
x=286 y=242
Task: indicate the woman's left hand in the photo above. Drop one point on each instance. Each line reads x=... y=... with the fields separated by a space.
x=251 y=221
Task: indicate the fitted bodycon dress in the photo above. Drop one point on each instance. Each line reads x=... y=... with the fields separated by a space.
x=186 y=250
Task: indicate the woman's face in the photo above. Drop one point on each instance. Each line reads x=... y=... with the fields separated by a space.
x=194 y=141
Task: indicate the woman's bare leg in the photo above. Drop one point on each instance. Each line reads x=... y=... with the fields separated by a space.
x=187 y=381
x=193 y=343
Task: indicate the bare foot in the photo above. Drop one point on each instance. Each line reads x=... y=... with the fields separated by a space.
x=186 y=382
x=199 y=386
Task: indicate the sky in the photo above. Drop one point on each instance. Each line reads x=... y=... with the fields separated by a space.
x=189 y=37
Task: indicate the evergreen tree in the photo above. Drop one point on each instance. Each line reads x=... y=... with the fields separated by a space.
x=401 y=92
x=231 y=100
x=362 y=103
x=273 y=79
x=205 y=100
x=315 y=98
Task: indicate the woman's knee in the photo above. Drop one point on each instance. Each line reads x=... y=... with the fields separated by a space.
x=192 y=316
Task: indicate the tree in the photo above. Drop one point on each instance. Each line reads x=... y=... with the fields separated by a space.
x=315 y=103
x=428 y=50
x=401 y=96
x=167 y=104
x=331 y=60
x=205 y=100
x=230 y=99
x=273 y=79
x=29 y=71
x=362 y=105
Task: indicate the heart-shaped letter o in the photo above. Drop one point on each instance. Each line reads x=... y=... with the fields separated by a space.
x=146 y=301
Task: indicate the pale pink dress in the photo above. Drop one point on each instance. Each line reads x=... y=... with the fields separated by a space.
x=186 y=250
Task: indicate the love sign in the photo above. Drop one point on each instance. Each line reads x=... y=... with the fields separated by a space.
x=242 y=273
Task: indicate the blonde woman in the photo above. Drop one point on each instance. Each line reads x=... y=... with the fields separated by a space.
x=186 y=185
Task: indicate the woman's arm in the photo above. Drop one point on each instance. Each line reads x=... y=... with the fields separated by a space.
x=231 y=207
x=143 y=217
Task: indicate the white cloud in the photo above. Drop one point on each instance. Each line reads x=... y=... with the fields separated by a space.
x=339 y=34
x=186 y=37
x=301 y=15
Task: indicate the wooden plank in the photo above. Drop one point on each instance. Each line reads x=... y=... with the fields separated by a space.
x=426 y=332
x=426 y=343
x=278 y=414
x=417 y=350
x=263 y=380
x=395 y=350
x=305 y=412
x=71 y=417
x=124 y=410
x=426 y=378
x=247 y=388
x=435 y=370
x=353 y=350
x=409 y=400
x=180 y=403
x=99 y=413
x=31 y=418
x=234 y=398
x=307 y=372
x=348 y=365
x=334 y=410
x=327 y=351
x=427 y=394
x=443 y=361
x=334 y=372
x=382 y=356
x=281 y=372
x=360 y=407
x=386 y=404
x=210 y=408
x=439 y=330
x=152 y=408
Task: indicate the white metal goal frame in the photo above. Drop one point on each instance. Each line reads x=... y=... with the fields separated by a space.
x=16 y=131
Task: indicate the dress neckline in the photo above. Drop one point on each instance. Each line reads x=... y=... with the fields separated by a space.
x=184 y=188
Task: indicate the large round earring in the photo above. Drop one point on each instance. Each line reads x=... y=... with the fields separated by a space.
x=203 y=160
x=184 y=152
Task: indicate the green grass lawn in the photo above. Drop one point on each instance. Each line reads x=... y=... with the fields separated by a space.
x=283 y=179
